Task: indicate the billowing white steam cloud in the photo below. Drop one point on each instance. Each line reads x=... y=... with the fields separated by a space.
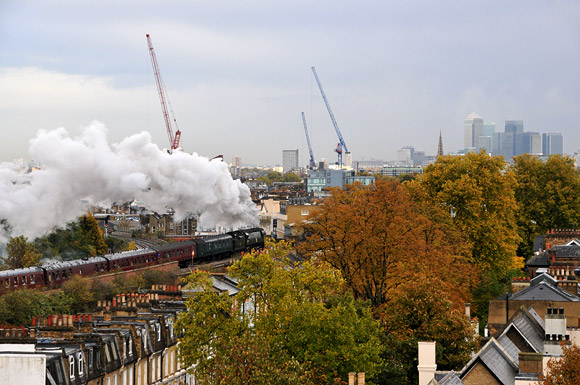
x=83 y=171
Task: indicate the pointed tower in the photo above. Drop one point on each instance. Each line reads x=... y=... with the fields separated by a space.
x=440 y=148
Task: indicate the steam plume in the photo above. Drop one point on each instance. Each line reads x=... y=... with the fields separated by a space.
x=83 y=171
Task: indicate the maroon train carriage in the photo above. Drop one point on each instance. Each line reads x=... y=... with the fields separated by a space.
x=58 y=272
x=129 y=260
x=183 y=252
x=29 y=277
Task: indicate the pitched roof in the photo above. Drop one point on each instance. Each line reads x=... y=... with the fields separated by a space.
x=496 y=360
x=544 y=288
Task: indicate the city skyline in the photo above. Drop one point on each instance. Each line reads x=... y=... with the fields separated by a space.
x=238 y=75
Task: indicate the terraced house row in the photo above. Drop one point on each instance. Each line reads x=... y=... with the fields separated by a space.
x=127 y=341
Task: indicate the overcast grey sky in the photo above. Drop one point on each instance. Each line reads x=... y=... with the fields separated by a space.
x=238 y=72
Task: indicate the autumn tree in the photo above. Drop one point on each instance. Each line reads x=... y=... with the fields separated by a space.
x=21 y=253
x=421 y=313
x=91 y=230
x=286 y=326
x=477 y=191
x=81 y=292
x=564 y=370
x=548 y=196
x=379 y=237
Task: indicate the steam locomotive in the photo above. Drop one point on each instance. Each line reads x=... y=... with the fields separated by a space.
x=204 y=249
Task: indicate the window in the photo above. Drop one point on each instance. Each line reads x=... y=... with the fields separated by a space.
x=81 y=363
x=24 y=280
x=71 y=363
x=90 y=358
x=304 y=212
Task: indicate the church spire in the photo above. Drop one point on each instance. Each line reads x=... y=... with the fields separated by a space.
x=440 y=148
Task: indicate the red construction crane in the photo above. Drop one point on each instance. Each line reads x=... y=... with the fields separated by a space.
x=173 y=139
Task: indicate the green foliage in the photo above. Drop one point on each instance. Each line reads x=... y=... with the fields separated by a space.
x=142 y=281
x=548 y=196
x=81 y=292
x=291 y=177
x=79 y=239
x=21 y=254
x=302 y=328
x=18 y=307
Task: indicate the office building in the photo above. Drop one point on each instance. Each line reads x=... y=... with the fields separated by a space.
x=236 y=167
x=473 y=129
x=553 y=143
x=290 y=160
x=321 y=179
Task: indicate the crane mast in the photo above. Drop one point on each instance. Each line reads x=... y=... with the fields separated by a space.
x=312 y=163
x=341 y=144
x=173 y=139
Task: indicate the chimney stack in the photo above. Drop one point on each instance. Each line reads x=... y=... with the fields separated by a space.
x=427 y=364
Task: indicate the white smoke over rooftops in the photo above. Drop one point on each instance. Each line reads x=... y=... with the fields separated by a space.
x=87 y=170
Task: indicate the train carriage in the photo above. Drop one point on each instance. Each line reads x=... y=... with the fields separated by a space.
x=29 y=277
x=182 y=252
x=205 y=249
x=214 y=247
x=133 y=259
x=58 y=272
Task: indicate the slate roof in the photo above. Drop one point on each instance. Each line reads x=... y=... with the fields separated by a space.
x=497 y=361
x=540 y=260
x=561 y=251
x=544 y=288
x=451 y=378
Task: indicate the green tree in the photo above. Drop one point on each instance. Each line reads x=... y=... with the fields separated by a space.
x=274 y=176
x=21 y=253
x=79 y=290
x=291 y=177
x=18 y=307
x=303 y=328
x=548 y=196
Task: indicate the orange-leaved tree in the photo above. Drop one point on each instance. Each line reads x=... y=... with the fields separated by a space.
x=564 y=370
x=380 y=237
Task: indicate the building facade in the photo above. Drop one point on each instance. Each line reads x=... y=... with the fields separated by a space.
x=473 y=129
x=290 y=160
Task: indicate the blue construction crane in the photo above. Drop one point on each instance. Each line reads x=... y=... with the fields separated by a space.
x=312 y=163
x=341 y=144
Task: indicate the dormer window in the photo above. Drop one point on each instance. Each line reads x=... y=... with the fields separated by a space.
x=81 y=363
x=71 y=363
x=130 y=345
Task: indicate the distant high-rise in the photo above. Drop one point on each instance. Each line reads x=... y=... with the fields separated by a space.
x=552 y=143
x=236 y=167
x=473 y=129
x=440 y=147
x=290 y=160
x=490 y=138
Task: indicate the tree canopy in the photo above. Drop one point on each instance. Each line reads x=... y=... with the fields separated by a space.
x=548 y=197
x=21 y=253
x=564 y=370
x=286 y=326
x=379 y=237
